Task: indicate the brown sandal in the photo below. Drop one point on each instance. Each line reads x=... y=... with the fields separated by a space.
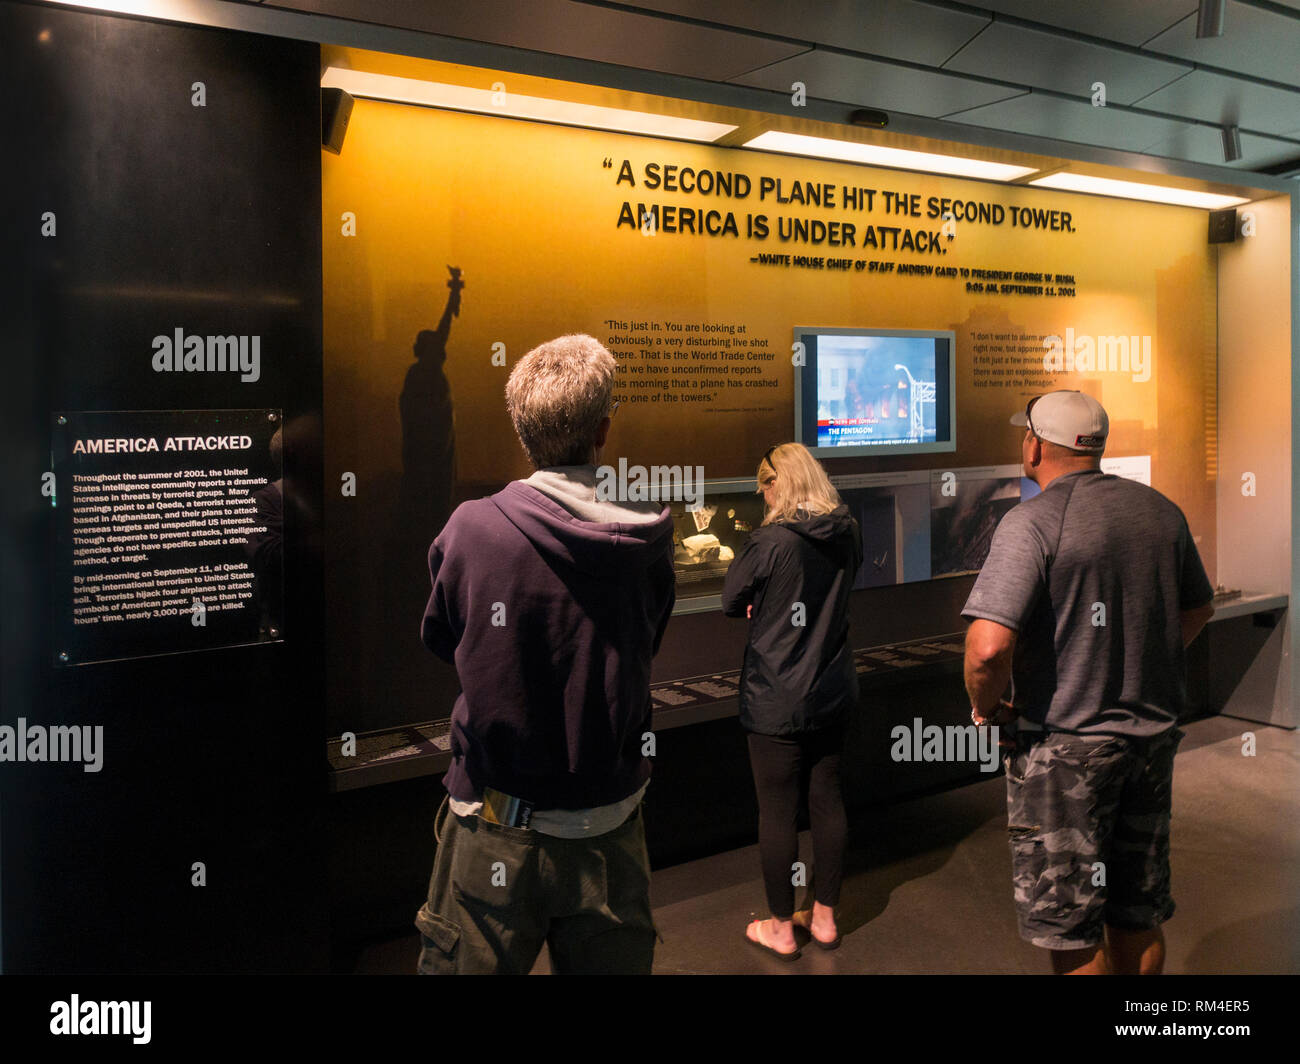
x=769 y=949
x=832 y=944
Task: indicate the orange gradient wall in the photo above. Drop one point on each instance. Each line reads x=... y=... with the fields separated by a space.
x=529 y=213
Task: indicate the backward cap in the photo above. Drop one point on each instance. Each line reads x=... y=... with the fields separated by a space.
x=1069 y=418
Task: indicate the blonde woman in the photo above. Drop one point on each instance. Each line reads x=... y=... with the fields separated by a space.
x=798 y=684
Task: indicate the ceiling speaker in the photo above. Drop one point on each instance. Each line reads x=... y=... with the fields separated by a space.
x=335 y=111
x=1223 y=226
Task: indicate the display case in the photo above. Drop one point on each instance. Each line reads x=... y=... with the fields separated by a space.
x=707 y=537
x=915 y=525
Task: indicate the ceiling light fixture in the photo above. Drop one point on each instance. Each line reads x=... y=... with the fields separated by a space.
x=513 y=105
x=1231 y=144
x=1105 y=186
x=1209 y=18
x=893 y=158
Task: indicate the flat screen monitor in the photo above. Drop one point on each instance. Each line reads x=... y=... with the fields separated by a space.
x=875 y=392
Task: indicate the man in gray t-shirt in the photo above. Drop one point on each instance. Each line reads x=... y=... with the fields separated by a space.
x=1089 y=595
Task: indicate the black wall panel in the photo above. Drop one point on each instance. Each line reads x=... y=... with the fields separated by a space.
x=168 y=215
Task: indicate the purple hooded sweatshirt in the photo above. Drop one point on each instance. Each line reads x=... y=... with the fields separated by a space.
x=551 y=622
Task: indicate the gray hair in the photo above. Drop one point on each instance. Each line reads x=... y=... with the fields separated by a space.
x=557 y=396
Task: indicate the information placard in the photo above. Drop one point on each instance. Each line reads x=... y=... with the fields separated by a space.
x=169 y=531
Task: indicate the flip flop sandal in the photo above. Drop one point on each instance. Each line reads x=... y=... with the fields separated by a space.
x=769 y=949
x=814 y=940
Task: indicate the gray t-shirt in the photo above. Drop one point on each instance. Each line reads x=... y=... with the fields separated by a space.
x=1093 y=574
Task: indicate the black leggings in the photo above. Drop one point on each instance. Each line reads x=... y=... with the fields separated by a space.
x=784 y=769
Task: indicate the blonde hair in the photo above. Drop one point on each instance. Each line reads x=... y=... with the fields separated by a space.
x=802 y=487
x=557 y=396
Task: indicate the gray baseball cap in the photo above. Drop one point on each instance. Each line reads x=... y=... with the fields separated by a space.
x=1069 y=418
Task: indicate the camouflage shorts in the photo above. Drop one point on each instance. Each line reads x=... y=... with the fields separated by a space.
x=1088 y=818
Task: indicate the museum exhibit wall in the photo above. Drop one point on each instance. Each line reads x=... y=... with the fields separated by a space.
x=544 y=226
x=1254 y=453
x=168 y=179
x=174 y=186
x=1254 y=409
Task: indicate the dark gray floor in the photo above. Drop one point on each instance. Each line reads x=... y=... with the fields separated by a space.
x=927 y=885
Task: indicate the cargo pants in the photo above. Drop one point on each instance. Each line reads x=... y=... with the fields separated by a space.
x=498 y=893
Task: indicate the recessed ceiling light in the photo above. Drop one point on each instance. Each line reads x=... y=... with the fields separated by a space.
x=1105 y=186
x=895 y=158
x=513 y=105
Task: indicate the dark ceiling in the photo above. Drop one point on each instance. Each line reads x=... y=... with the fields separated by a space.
x=1023 y=66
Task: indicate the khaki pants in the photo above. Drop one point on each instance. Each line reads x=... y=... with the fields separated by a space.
x=498 y=893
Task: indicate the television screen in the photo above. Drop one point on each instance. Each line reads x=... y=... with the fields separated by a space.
x=875 y=391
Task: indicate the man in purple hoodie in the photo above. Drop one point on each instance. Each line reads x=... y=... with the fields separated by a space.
x=551 y=600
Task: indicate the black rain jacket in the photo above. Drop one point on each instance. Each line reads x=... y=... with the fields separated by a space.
x=797 y=677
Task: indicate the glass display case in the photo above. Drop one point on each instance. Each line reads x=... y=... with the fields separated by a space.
x=916 y=525
x=707 y=538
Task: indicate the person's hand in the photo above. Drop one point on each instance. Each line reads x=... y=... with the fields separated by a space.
x=1003 y=713
x=749 y=610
